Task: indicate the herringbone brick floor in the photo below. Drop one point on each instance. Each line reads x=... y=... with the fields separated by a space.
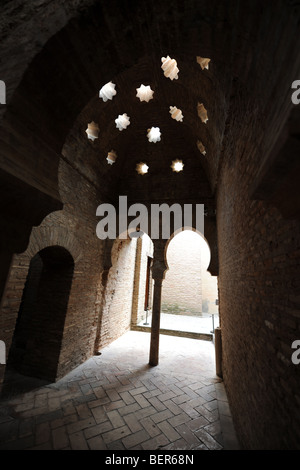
x=116 y=401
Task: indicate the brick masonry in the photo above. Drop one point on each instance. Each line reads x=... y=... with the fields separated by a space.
x=248 y=97
x=116 y=316
x=69 y=229
x=259 y=310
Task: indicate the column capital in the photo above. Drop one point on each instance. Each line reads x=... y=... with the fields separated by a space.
x=159 y=269
x=159 y=266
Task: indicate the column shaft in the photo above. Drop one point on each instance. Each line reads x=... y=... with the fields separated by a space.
x=156 y=306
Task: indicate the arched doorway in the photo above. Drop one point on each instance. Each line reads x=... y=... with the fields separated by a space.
x=143 y=283
x=127 y=287
x=189 y=292
x=38 y=334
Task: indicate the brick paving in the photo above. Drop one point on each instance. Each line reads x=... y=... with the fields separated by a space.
x=116 y=401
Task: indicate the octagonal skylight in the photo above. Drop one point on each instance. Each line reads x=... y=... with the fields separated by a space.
x=170 y=68
x=203 y=62
x=154 y=134
x=92 y=131
x=142 y=168
x=108 y=91
x=122 y=121
x=201 y=147
x=176 y=113
x=111 y=157
x=144 y=93
x=202 y=112
x=177 y=165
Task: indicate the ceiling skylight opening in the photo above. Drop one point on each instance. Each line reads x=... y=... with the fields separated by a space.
x=203 y=62
x=202 y=113
x=142 y=168
x=92 y=131
x=111 y=157
x=176 y=113
x=177 y=165
x=108 y=91
x=170 y=68
x=122 y=121
x=144 y=93
x=154 y=134
x=201 y=147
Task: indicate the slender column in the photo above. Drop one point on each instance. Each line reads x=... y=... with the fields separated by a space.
x=154 y=345
x=159 y=268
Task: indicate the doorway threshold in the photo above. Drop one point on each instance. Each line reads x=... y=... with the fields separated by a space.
x=182 y=334
x=194 y=327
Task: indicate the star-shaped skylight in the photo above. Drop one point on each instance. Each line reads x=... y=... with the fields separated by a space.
x=144 y=93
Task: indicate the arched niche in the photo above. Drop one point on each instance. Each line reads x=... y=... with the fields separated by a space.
x=37 y=339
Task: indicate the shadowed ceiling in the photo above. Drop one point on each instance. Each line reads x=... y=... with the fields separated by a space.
x=178 y=139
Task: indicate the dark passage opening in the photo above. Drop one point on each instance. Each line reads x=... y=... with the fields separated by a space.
x=39 y=328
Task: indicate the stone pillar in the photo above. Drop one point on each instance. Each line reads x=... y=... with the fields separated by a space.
x=159 y=268
x=155 y=326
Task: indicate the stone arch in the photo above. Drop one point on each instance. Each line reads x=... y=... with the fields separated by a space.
x=42 y=237
x=189 y=288
x=109 y=244
x=46 y=236
x=143 y=282
x=117 y=289
x=209 y=237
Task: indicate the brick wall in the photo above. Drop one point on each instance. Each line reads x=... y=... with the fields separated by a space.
x=117 y=307
x=209 y=282
x=73 y=229
x=259 y=308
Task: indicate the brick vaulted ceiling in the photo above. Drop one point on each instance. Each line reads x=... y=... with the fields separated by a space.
x=178 y=139
x=245 y=91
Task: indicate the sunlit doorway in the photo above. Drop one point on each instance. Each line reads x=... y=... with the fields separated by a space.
x=190 y=292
